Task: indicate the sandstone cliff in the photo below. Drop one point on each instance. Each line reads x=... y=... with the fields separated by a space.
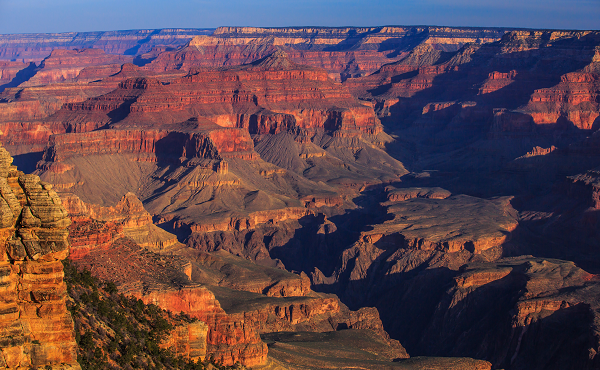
x=36 y=328
x=274 y=162
x=128 y=218
x=118 y=331
x=31 y=112
x=13 y=73
x=342 y=52
x=423 y=231
x=365 y=37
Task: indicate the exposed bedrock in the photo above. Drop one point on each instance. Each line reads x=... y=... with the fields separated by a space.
x=272 y=165
x=36 y=330
x=518 y=313
x=226 y=149
x=69 y=66
x=29 y=115
x=14 y=73
x=530 y=84
x=236 y=298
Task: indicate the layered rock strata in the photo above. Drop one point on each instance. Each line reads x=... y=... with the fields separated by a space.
x=30 y=114
x=69 y=65
x=195 y=137
x=342 y=52
x=353 y=348
x=36 y=330
x=518 y=76
x=237 y=299
x=526 y=308
x=442 y=232
x=12 y=73
x=188 y=341
x=127 y=218
x=37 y=46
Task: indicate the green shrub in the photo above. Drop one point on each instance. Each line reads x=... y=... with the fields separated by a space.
x=129 y=331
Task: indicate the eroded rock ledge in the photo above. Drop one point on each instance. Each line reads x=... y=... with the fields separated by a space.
x=36 y=330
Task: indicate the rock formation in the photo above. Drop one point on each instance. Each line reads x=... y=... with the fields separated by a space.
x=194 y=135
x=352 y=348
x=82 y=65
x=550 y=300
x=35 y=47
x=36 y=330
x=14 y=73
x=519 y=73
x=237 y=299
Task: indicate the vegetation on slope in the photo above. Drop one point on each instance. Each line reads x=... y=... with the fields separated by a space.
x=118 y=332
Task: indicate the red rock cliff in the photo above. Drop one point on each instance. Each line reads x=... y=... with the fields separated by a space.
x=36 y=330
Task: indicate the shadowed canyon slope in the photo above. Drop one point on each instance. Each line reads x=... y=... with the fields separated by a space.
x=329 y=196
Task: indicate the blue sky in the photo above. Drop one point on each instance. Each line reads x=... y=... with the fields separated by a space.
x=30 y=16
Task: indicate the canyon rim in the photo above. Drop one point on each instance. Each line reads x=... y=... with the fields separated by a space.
x=395 y=197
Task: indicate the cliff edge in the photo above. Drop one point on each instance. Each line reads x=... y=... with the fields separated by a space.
x=36 y=330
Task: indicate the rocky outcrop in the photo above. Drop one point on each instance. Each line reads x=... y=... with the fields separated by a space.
x=188 y=341
x=36 y=330
x=198 y=133
x=527 y=307
x=98 y=227
x=211 y=51
x=428 y=223
x=306 y=100
x=164 y=280
x=236 y=298
x=229 y=339
x=573 y=101
x=29 y=115
x=354 y=348
x=68 y=65
x=418 y=247
x=144 y=144
x=274 y=162
x=25 y=113
x=366 y=38
x=586 y=186
x=400 y=194
x=342 y=52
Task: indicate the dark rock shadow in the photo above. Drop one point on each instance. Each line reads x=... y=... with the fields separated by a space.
x=27 y=162
x=134 y=50
x=308 y=249
x=22 y=76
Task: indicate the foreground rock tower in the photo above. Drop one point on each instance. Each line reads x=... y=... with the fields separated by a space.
x=36 y=330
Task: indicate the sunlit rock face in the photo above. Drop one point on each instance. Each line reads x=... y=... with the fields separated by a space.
x=36 y=330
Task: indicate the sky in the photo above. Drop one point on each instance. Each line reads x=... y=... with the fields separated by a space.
x=46 y=16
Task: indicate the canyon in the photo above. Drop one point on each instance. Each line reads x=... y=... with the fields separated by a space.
x=389 y=197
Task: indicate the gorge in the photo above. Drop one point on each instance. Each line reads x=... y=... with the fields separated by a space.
x=384 y=197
